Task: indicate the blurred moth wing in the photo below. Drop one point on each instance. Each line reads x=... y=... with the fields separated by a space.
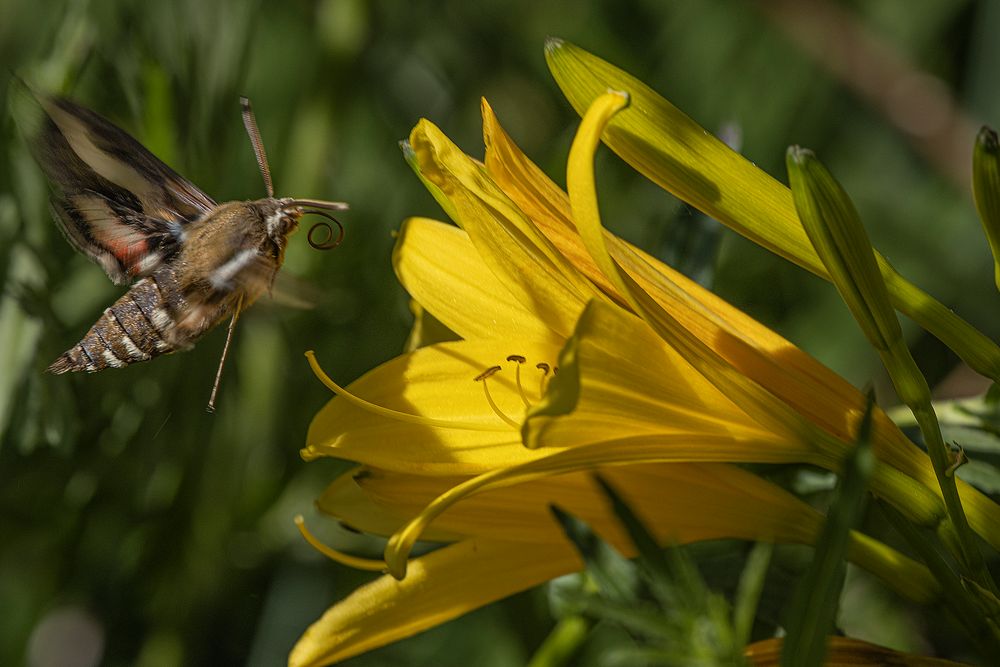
x=191 y=262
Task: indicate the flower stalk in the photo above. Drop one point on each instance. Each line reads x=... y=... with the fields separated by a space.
x=835 y=229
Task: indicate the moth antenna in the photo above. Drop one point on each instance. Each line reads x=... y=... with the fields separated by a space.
x=250 y=122
x=225 y=351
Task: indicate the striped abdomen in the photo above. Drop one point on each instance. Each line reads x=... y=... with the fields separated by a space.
x=134 y=329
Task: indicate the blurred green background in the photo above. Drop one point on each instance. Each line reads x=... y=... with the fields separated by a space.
x=133 y=522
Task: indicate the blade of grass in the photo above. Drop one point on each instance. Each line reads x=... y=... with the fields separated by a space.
x=814 y=606
x=749 y=590
x=614 y=575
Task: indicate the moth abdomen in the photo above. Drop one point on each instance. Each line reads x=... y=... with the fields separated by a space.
x=133 y=329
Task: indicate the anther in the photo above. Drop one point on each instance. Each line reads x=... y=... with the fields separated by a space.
x=492 y=370
x=544 y=368
x=517 y=357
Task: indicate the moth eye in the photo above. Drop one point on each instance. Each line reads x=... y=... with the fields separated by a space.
x=281 y=225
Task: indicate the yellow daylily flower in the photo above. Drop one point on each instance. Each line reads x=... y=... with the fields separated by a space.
x=530 y=282
x=498 y=301
x=506 y=540
x=508 y=291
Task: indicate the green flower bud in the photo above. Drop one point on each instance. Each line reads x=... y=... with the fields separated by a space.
x=986 y=190
x=836 y=232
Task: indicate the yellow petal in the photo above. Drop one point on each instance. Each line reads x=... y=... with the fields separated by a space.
x=924 y=507
x=730 y=503
x=441 y=586
x=435 y=383
x=541 y=200
x=520 y=257
x=749 y=394
x=679 y=502
x=770 y=411
x=679 y=155
x=440 y=268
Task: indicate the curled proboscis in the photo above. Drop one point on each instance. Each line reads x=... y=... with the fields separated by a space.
x=328 y=242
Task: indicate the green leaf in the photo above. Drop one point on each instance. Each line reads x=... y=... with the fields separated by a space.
x=562 y=643
x=814 y=606
x=982 y=475
x=674 y=578
x=749 y=590
x=615 y=576
x=972 y=439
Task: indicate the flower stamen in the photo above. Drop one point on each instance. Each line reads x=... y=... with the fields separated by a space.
x=369 y=564
x=543 y=382
x=517 y=377
x=397 y=415
x=489 y=372
x=482 y=377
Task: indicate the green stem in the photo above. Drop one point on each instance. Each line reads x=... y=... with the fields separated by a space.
x=748 y=591
x=984 y=634
x=974 y=347
x=562 y=643
x=913 y=390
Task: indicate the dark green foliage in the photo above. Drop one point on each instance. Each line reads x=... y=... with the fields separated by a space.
x=660 y=600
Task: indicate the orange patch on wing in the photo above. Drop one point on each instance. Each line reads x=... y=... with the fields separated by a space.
x=129 y=251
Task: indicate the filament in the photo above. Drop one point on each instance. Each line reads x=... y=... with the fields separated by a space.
x=358 y=563
x=517 y=377
x=543 y=381
x=489 y=399
x=394 y=414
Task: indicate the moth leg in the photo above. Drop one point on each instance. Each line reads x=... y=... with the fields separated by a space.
x=225 y=350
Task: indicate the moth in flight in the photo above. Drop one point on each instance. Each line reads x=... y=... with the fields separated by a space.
x=191 y=262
